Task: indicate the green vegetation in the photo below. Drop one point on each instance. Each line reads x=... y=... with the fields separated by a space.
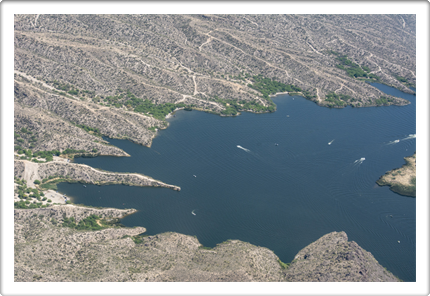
x=269 y=86
x=405 y=81
x=283 y=265
x=137 y=239
x=130 y=101
x=157 y=111
x=52 y=186
x=91 y=130
x=26 y=195
x=92 y=222
x=27 y=205
x=52 y=181
x=337 y=100
x=233 y=107
x=341 y=101
x=49 y=155
x=383 y=101
x=29 y=155
x=72 y=151
x=66 y=88
x=354 y=70
x=205 y=248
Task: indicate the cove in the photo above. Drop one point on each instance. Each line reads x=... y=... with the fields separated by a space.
x=283 y=196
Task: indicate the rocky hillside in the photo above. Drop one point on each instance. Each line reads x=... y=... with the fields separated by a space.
x=78 y=77
x=332 y=258
x=50 y=247
x=193 y=58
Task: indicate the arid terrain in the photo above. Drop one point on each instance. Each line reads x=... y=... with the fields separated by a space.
x=82 y=79
x=402 y=180
x=119 y=75
x=48 y=247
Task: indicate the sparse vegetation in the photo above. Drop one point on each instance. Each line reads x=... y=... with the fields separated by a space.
x=402 y=180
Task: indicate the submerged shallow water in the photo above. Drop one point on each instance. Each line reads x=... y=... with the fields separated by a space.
x=238 y=184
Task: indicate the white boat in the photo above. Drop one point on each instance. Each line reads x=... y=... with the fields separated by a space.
x=192 y=212
x=396 y=141
x=194 y=176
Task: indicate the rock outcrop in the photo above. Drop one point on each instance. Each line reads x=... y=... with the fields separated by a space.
x=332 y=258
x=402 y=180
x=45 y=251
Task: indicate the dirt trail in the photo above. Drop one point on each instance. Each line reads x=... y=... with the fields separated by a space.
x=341 y=86
x=318 y=95
x=207 y=41
x=314 y=49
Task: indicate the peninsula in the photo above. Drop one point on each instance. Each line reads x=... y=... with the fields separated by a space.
x=402 y=180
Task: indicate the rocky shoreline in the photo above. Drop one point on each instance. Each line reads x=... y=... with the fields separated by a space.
x=402 y=180
x=48 y=251
x=30 y=171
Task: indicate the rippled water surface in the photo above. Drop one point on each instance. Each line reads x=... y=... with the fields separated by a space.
x=283 y=196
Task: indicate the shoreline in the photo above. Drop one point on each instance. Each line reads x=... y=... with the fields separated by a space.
x=279 y=93
x=170 y=115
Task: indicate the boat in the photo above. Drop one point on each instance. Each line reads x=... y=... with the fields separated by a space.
x=85 y=186
x=192 y=212
x=194 y=176
x=396 y=141
x=331 y=142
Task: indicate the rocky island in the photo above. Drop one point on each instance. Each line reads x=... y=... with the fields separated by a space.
x=82 y=79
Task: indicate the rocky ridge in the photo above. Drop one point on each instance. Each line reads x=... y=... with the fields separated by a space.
x=45 y=251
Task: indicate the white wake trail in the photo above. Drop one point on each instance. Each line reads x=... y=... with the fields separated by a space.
x=410 y=136
x=359 y=161
x=240 y=147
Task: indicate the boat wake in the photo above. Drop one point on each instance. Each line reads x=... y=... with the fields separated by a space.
x=393 y=142
x=329 y=143
x=410 y=136
x=359 y=161
x=240 y=147
x=193 y=212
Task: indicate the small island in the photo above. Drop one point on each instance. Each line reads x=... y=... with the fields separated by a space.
x=402 y=180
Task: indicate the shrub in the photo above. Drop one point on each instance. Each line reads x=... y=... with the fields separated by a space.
x=283 y=265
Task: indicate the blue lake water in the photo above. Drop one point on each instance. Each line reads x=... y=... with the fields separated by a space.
x=283 y=196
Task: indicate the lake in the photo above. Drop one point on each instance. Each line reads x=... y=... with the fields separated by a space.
x=282 y=196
